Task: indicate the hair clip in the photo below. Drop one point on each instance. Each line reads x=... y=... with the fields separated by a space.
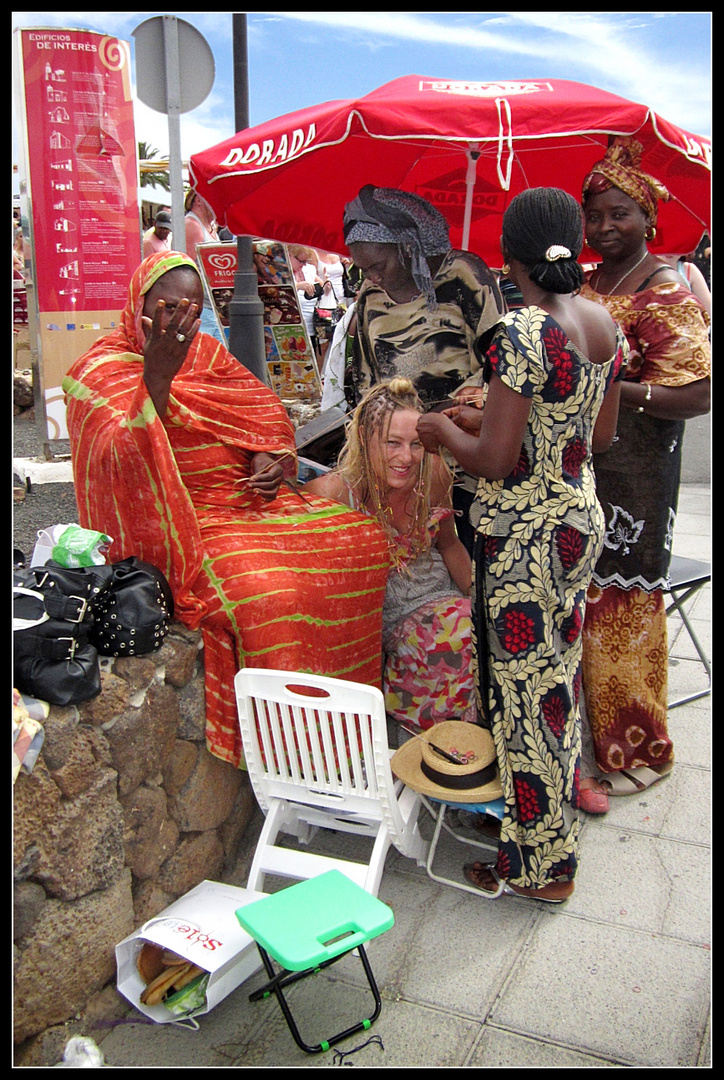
x=557 y=251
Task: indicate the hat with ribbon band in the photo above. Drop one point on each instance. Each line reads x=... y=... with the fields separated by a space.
x=473 y=776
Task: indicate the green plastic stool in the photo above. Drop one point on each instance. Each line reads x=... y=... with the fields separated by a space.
x=309 y=926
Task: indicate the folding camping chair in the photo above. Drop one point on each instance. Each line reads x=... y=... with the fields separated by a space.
x=308 y=926
x=437 y=810
x=317 y=756
x=687 y=578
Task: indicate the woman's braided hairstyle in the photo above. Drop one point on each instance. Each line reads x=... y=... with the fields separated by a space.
x=536 y=226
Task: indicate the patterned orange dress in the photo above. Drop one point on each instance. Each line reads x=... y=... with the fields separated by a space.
x=283 y=584
x=625 y=650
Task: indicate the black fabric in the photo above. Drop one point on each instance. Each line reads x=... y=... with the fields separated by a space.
x=639 y=517
x=459 y=783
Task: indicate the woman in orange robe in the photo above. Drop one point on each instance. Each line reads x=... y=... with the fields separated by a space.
x=183 y=457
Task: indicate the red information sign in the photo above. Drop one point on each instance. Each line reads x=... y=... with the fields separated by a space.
x=81 y=180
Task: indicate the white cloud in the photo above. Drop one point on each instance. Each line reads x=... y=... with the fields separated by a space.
x=612 y=51
x=599 y=43
x=415 y=28
x=205 y=126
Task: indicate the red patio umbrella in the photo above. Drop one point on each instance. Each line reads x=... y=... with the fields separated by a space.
x=467 y=147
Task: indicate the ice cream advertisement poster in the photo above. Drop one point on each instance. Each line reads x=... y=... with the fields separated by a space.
x=293 y=372
x=292 y=369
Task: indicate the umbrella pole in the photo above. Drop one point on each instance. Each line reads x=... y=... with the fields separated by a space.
x=472 y=153
x=246 y=311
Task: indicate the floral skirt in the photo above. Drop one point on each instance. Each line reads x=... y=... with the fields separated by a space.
x=428 y=673
x=625 y=677
x=528 y=610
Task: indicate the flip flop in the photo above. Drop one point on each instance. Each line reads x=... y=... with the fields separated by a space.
x=472 y=870
x=632 y=781
x=590 y=800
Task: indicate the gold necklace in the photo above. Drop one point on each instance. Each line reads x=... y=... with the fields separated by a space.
x=613 y=290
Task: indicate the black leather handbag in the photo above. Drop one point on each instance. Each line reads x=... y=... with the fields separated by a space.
x=52 y=619
x=64 y=618
x=132 y=614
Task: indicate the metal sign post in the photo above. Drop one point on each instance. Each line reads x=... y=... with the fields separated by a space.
x=175 y=72
x=173 y=108
x=246 y=310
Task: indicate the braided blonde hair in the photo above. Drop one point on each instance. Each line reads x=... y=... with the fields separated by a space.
x=361 y=468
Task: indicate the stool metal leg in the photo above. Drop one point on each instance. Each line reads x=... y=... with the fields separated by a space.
x=676 y=604
x=285 y=978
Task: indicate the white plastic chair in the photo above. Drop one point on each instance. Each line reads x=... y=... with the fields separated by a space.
x=322 y=762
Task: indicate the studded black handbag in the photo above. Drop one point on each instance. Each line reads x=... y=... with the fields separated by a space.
x=131 y=616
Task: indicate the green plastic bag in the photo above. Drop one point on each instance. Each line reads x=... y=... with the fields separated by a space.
x=74 y=546
x=190 y=998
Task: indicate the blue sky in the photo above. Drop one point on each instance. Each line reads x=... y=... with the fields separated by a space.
x=662 y=59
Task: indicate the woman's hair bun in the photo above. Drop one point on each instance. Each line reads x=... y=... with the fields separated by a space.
x=543 y=229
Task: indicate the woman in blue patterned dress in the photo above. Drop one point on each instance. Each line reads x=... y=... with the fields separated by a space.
x=552 y=373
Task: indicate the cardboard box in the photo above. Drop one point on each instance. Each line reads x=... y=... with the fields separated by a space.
x=201 y=926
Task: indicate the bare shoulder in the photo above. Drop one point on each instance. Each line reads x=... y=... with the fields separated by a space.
x=592 y=310
x=664 y=272
x=329 y=486
x=597 y=315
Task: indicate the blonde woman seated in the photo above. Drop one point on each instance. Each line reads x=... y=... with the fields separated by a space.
x=384 y=471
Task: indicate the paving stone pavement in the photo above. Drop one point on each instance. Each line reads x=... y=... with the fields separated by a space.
x=618 y=976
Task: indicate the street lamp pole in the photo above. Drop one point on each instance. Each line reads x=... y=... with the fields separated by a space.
x=246 y=324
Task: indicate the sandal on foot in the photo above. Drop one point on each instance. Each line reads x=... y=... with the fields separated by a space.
x=554 y=893
x=632 y=781
x=594 y=800
x=482 y=823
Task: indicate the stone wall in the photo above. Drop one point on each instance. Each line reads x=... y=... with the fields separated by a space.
x=124 y=811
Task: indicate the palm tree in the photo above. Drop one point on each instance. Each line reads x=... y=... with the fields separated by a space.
x=150 y=177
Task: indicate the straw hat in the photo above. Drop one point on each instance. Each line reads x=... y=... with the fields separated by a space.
x=475 y=779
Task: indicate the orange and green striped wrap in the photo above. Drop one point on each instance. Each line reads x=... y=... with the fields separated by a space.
x=281 y=585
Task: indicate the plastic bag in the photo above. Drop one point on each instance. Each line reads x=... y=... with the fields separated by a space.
x=190 y=998
x=71 y=546
x=81 y=1053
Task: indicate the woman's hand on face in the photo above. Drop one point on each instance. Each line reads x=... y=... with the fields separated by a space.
x=267 y=476
x=168 y=339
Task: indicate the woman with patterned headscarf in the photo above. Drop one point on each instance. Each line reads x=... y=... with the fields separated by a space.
x=424 y=310
x=178 y=454
x=625 y=653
